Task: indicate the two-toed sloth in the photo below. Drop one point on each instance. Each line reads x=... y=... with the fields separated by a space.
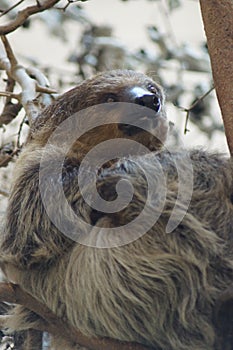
x=159 y=289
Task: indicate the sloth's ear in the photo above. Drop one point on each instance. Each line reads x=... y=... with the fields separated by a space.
x=223 y=318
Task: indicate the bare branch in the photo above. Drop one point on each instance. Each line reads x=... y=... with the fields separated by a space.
x=43 y=85
x=25 y=13
x=10 y=94
x=18 y=144
x=6 y=158
x=4 y=193
x=188 y=110
x=10 y=84
x=38 y=75
x=30 y=87
x=45 y=90
x=218 y=21
x=193 y=105
x=12 y=293
x=11 y=8
x=9 y=52
x=9 y=112
x=69 y=2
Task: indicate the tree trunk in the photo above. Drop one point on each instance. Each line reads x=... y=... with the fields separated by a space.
x=218 y=22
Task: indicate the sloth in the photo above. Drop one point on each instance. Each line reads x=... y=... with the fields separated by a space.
x=150 y=272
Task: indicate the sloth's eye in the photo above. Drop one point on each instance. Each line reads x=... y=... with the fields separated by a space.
x=152 y=88
x=110 y=98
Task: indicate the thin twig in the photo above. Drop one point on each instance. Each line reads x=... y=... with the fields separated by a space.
x=27 y=84
x=10 y=110
x=11 y=8
x=10 y=84
x=30 y=86
x=43 y=85
x=45 y=90
x=7 y=158
x=4 y=193
x=69 y=2
x=10 y=94
x=193 y=105
x=9 y=52
x=19 y=133
x=24 y=14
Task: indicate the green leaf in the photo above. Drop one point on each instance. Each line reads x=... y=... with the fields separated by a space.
x=173 y=4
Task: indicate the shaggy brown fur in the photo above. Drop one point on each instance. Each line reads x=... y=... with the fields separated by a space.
x=159 y=290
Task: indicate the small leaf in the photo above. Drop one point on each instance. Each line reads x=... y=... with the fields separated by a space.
x=173 y=4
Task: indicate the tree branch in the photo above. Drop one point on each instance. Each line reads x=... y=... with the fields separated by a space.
x=30 y=86
x=12 y=293
x=11 y=8
x=218 y=22
x=25 y=13
x=194 y=104
x=4 y=192
x=27 y=84
x=7 y=155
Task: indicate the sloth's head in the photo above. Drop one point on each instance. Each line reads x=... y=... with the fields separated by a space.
x=130 y=103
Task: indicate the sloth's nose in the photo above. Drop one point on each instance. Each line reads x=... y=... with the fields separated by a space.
x=145 y=118
x=149 y=100
x=145 y=98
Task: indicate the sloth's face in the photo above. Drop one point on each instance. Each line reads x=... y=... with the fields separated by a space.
x=136 y=103
x=139 y=96
x=126 y=104
x=141 y=114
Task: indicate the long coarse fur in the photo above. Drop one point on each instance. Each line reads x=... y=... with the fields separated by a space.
x=159 y=290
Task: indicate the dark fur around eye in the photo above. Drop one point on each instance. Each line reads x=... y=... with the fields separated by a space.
x=110 y=98
x=152 y=88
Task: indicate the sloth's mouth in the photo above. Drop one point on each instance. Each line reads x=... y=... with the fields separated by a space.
x=144 y=124
x=129 y=130
x=145 y=110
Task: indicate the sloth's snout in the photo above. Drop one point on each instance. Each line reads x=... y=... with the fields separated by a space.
x=149 y=100
x=145 y=98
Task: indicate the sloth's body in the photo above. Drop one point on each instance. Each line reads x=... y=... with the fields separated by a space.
x=159 y=290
